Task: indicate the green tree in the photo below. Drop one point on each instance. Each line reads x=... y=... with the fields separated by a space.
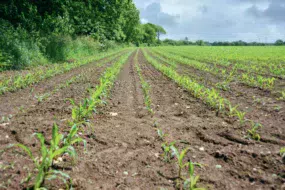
x=279 y=43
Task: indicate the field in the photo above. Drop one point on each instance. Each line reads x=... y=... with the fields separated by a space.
x=147 y=118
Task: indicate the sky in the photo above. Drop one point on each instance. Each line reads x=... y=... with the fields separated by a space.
x=217 y=20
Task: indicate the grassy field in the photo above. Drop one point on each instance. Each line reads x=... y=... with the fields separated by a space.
x=147 y=118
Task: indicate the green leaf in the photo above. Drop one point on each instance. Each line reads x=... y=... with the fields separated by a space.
x=59 y=152
x=182 y=155
x=175 y=151
x=191 y=169
x=26 y=149
x=39 y=179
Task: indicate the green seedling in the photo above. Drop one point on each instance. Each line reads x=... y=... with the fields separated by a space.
x=180 y=156
x=282 y=154
x=58 y=146
x=232 y=110
x=83 y=111
x=223 y=86
x=253 y=132
x=282 y=151
x=166 y=147
x=282 y=97
x=41 y=98
x=161 y=134
x=191 y=182
x=241 y=117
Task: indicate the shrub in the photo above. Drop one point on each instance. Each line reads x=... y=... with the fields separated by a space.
x=17 y=48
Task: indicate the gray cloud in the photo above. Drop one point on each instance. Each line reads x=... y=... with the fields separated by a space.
x=275 y=11
x=249 y=20
x=153 y=13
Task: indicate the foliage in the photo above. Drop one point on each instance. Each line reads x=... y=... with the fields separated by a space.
x=39 y=32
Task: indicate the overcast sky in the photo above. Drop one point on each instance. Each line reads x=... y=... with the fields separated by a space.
x=217 y=20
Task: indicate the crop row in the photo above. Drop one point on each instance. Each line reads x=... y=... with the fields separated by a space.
x=145 y=86
x=266 y=83
x=22 y=81
x=210 y=97
x=270 y=64
x=49 y=156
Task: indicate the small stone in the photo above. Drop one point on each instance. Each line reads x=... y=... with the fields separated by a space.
x=202 y=149
x=113 y=114
x=188 y=107
x=4 y=124
x=7 y=137
x=156 y=155
x=176 y=104
x=274 y=176
x=134 y=174
x=218 y=166
x=126 y=173
x=254 y=169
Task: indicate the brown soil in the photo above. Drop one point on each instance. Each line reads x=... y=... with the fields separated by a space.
x=124 y=151
x=259 y=105
x=13 y=102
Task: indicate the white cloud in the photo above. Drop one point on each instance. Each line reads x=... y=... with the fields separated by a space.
x=226 y=20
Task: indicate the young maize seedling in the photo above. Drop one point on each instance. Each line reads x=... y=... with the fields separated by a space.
x=191 y=182
x=223 y=86
x=252 y=133
x=166 y=147
x=232 y=110
x=282 y=97
x=241 y=116
x=161 y=134
x=41 y=98
x=282 y=153
x=180 y=156
x=82 y=111
x=58 y=146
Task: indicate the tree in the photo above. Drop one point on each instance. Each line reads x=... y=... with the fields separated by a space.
x=200 y=42
x=159 y=30
x=279 y=43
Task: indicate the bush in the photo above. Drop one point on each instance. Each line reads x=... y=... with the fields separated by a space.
x=62 y=48
x=17 y=48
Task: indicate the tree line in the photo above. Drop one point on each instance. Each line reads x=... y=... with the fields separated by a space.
x=38 y=26
x=217 y=43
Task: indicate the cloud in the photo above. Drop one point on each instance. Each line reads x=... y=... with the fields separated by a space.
x=154 y=14
x=275 y=12
x=226 y=20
